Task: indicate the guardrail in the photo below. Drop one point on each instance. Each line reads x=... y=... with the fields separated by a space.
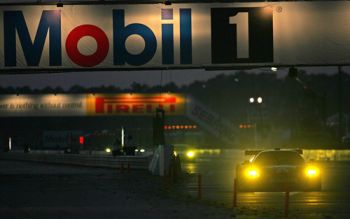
x=132 y=162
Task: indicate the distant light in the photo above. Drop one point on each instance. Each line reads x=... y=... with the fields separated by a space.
x=108 y=150
x=122 y=137
x=260 y=100
x=274 y=69
x=251 y=100
x=190 y=154
x=142 y=150
x=10 y=144
x=81 y=140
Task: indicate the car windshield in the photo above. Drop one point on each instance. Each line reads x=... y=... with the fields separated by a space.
x=279 y=158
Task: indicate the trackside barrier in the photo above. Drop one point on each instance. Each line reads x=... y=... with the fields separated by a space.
x=286 y=203
x=199 y=187
x=234 y=204
x=134 y=162
x=162 y=161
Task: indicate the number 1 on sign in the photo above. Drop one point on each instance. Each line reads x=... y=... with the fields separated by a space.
x=242 y=29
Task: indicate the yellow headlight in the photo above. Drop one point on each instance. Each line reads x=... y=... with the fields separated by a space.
x=190 y=154
x=252 y=173
x=108 y=150
x=312 y=171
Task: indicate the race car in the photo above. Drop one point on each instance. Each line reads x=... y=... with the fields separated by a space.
x=277 y=170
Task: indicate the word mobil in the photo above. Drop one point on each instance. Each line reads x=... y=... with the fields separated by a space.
x=50 y=22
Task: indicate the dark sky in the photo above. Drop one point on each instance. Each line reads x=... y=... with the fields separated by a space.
x=116 y=78
x=125 y=78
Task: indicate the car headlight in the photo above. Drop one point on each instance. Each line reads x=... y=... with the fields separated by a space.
x=190 y=154
x=252 y=173
x=108 y=150
x=312 y=171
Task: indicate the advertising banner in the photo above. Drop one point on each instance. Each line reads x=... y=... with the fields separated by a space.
x=135 y=104
x=42 y=105
x=90 y=105
x=131 y=36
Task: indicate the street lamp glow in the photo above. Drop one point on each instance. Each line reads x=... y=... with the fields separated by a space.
x=251 y=100
x=260 y=100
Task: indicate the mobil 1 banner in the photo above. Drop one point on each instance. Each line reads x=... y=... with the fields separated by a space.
x=131 y=36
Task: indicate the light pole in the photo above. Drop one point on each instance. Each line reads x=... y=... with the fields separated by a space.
x=340 y=105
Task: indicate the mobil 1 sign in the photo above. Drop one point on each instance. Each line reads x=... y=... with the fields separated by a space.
x=44 y=37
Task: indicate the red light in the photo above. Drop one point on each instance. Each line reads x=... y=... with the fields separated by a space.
x=81 y=140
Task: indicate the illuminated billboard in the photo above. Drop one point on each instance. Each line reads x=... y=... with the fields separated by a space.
x=91 y=105
x=178 y=35
x=135 y=104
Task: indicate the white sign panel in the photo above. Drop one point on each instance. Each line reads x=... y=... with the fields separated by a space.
x=42 y=105
x=179 y=35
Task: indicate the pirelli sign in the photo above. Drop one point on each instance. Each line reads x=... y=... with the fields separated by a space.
x=91 y=105
x=135 y=104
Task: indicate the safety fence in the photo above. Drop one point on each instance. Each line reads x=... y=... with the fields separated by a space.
x=119 y=162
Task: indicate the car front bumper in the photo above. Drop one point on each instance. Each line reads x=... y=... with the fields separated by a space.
x=257 y=185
